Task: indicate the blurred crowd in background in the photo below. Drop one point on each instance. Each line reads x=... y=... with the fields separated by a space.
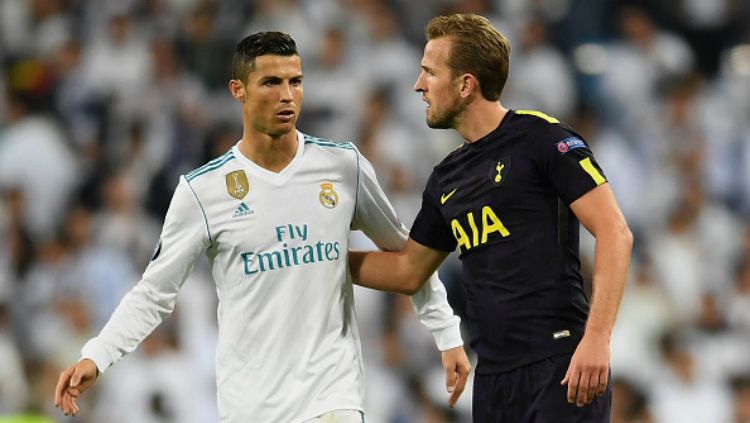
x=103 y=104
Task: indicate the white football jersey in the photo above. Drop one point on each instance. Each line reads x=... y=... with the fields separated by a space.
x=288 y=347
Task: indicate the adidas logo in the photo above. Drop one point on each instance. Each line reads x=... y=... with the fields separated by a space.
x=242 y=210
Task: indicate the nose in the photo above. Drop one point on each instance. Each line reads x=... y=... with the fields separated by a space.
x=286 y=93
x=419 y=85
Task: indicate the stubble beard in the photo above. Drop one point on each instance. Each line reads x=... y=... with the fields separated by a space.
x=446 y=118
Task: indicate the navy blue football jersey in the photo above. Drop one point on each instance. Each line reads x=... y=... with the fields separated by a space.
x=504 y=201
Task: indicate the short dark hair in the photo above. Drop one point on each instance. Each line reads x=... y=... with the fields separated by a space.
x=476 y=47
x=259 y=44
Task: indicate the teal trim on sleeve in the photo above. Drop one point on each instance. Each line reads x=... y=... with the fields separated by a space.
x=327 y=143
x=356 y=193
x=212 y=162
x=356 y=190
x=212 y=165
x=205 y=218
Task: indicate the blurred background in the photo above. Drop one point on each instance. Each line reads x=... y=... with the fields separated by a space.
x=103 y=104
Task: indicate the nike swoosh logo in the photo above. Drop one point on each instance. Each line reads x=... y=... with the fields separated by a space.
x=446 y=197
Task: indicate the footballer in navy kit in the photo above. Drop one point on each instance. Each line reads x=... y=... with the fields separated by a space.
x=503 y=201
x=511 y=198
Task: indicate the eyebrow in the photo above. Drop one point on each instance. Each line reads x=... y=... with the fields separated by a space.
x=275 y=78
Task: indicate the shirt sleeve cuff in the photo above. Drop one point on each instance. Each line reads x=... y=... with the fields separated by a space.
x=448 y=337
x=97 y=354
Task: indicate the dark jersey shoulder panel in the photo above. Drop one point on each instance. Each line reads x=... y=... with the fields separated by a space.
x=568 y=161
x=504 y=201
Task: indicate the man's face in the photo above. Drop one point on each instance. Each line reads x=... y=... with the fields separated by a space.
x=438 y=87
x=273 y=94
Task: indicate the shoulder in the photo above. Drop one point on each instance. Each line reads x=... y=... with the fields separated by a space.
x=210 y=167
x=343 y=155
x=542 y=130
x=206 y=174
x=534 y=122
x=327 y=145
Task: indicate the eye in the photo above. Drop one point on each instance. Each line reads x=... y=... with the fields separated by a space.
x=296 y=82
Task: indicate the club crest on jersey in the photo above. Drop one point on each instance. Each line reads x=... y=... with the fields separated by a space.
x=237 y=184
x=499 y=170
x=328 y=197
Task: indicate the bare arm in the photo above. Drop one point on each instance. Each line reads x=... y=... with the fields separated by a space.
x=599 y=213
x=589 y=368
x=402 y=272
x=377 y=219
x=405 y=272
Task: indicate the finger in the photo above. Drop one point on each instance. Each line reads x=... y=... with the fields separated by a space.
x=72 y=407
x=463 y=376
x=65 y=404
x=603 y=381
x=450 y=379
x=62 y=384
x=76 y=378
x=566 y=379
x=593 y=386
x=583 y=388
x=573 y=385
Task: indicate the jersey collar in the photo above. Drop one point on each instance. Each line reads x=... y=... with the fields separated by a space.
x=275 y=178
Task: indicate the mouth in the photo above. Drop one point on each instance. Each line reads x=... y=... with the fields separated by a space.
x=286 y=115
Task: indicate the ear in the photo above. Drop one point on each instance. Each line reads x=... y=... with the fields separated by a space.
x=468 y=85
x=237 y=89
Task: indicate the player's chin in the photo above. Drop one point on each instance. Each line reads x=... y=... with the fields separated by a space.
x=438 y=123
x=441 y=119
x=283 y=128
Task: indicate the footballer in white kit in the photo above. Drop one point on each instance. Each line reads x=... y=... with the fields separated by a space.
x=275 y=231
x=288 y=347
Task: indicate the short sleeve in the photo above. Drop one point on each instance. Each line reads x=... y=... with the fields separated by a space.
x=569 y=164
x=430 y=228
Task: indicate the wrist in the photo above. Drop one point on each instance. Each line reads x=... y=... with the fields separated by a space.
x=598 y=333
x=449 y=337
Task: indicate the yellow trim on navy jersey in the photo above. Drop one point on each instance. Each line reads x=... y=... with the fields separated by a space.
x=538 y=114
x=592 y=171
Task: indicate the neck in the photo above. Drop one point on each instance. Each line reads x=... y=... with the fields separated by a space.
x=272 y=153
x=480 y=118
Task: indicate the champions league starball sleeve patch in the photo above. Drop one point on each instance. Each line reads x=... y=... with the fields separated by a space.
x=570 y=143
